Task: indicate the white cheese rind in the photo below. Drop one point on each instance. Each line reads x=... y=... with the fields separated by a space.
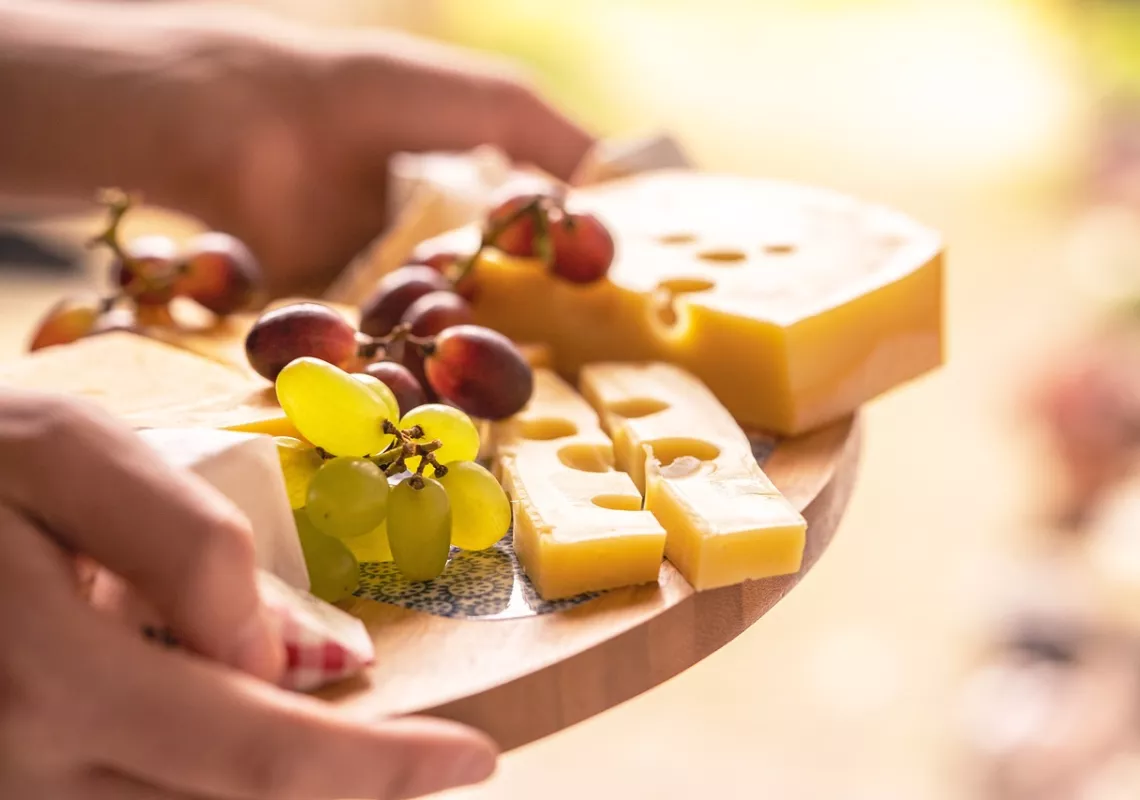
x=245 y=468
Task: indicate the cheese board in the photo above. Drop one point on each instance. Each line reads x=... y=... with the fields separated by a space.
x=523 y=679
x=544 y=461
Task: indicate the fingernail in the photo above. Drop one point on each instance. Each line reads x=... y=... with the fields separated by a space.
x=259 y=650
x=474 y=766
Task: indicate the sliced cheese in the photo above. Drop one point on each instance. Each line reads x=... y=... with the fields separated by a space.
x=579 y=525
x=726 y=521
x=794 y=305
x=151 y=384
x=244 y=468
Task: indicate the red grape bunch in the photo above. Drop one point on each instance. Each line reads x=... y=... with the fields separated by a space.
x=574 y=246
x=214 y=269
x=477 y=370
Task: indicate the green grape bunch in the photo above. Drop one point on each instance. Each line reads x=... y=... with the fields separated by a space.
x=378 y=485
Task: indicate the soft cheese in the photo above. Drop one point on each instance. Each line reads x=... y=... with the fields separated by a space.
x=245 y=468
x=726 y=522
x=151 y=384
x=579 y=525
x=794 y=305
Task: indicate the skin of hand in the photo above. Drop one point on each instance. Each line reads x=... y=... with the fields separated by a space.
x=274 y=133
x=89 y=710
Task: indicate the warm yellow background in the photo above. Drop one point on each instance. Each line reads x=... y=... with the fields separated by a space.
x=976 y=116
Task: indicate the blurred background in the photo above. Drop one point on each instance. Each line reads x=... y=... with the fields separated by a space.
x=949 y=644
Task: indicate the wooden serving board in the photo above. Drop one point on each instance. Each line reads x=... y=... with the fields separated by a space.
x=522 y=679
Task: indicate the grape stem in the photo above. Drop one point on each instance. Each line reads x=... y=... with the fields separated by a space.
x=540 y=208
x=118 y=203
x=372 y=346
x=393 y=460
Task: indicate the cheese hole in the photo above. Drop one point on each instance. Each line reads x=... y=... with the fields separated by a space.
x=779 y=248
x=617 y=502
x=634 y=407
x=585 y=458
x=677 y=238
x=665 y=297
x=686 y=454
x=723 y=256
x=547 y=428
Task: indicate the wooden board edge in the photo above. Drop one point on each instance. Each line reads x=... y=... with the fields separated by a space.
x=519 y=711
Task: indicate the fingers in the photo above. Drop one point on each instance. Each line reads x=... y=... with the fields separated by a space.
x=103 y=492
x=106 y=785
x=535 y=132
x=412 y=95
x=85 y=690
x=186 y=723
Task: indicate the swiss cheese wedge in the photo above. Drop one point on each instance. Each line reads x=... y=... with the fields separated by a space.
x=579 y=525
x=794 y=305
x=151 y=384
x=725 y=521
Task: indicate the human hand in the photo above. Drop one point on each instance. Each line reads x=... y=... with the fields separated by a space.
x=299 y=130
x=91 y=711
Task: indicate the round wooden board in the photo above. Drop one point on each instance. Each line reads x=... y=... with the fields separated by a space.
x=522 y=679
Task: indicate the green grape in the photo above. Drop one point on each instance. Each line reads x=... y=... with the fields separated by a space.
x=299 y=463
x=419 y=529
x=372 y=546
x=332 y=410
x=347 y=497
x=450 y=425
x=381 y=390
x=334 y=572
x=480 y=509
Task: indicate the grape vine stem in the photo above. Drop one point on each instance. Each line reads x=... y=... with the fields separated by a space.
x=393 y=460
x=540 y=208
x=118 y=203
x=371 y=346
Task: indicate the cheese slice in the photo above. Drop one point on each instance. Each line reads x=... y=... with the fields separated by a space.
x=794 y=305
x=151 y=384
x=579 y=525
x=244 y=468
x=726 y=521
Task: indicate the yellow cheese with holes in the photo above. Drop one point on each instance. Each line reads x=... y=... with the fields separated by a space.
x=151 y=384
x=794 y=305
x=579 y=525
x=726 y=522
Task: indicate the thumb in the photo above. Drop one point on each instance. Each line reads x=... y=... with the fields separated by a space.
x=104 y=493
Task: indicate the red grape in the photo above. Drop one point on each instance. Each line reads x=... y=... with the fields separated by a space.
x=480 y=371
x=409 y=393
x=293 y=331
x=446 y=262
x=518 y=237
x=397 y=290
x=583 y=248
x=148 y=275
x=67 y=321
x=435 y=311
x=413 y=361
x=219 y=272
